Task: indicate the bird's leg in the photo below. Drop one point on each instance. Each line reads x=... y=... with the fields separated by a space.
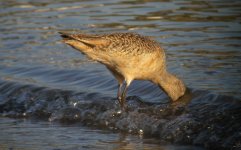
x=119 y=92
x=122 y=94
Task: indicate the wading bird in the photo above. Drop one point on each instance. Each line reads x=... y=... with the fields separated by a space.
x=128 y=56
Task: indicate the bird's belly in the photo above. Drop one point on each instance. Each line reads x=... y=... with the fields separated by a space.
x=137 y=72
x=142 y=67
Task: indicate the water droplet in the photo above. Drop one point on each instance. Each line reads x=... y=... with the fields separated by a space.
x=50 y=119
x=119 y=112
x=141 y=131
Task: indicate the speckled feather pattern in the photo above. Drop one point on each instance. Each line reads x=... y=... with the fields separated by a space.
x=128 y=56
x=131 y=43
x=124 y=43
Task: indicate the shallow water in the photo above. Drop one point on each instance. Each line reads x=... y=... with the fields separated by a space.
x=15 y=135
x=42 y=79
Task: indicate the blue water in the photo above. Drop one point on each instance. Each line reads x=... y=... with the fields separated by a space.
x=48 y=87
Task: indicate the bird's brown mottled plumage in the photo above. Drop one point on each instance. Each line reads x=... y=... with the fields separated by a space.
x=128 y=56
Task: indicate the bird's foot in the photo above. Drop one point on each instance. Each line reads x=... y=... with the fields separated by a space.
x=122 y=103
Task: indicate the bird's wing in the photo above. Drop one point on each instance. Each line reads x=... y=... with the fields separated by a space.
x=90 y=40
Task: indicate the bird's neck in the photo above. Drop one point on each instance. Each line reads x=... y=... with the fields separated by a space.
x=173 y=86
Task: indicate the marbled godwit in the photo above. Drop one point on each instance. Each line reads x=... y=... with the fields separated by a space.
x=129 y=57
